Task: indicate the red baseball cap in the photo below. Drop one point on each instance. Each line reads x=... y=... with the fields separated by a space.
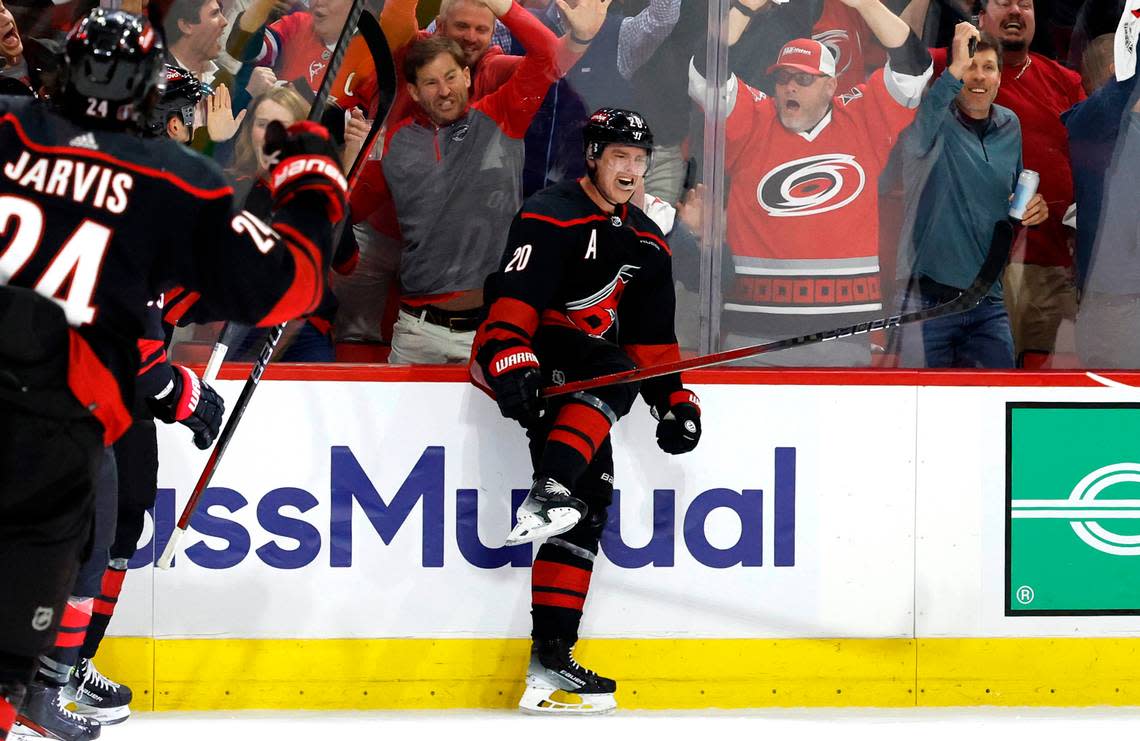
x=806 y=55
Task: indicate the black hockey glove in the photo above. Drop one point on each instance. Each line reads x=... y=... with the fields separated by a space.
x=679 y=428
x=304 y=160
x=190 y=401
x=514 y=377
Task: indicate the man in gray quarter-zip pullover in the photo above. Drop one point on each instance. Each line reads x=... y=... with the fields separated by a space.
x=454 y=172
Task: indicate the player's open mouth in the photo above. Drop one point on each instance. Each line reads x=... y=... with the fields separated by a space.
x=979 y=90
x=1015 y=25
x=10 y=38
x=625 y=182
x=792 y=105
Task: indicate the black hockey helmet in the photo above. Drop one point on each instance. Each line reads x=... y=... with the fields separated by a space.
x=181 y=92
x=112 y=67
x=615 y=126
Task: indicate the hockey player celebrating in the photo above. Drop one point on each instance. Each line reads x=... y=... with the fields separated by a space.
x=170 y=393
x=585 y=288
x=82 y=192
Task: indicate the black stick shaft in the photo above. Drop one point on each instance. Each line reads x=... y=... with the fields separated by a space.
x=968 y=299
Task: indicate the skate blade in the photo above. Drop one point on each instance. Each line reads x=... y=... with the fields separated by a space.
x=531 y=527
x=544 y=701
x=28 y=732
x=105 y=716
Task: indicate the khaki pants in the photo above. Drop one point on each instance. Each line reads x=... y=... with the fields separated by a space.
x=1042 y=304
x=416 y=341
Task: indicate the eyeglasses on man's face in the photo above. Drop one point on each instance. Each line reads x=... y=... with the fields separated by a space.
x=803 y=79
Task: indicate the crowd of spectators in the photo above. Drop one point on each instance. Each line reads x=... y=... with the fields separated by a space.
x=863 y=151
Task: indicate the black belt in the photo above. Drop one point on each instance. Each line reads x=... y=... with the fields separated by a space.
x=463 y=320
x=938 y=291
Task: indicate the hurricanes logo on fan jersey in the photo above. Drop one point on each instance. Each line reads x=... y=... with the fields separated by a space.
x=595 y=314
x=811 y=185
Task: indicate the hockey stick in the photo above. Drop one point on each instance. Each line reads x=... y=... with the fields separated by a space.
x=385 y=66
x=990 y=272
x=320 y=103
x=386 y=95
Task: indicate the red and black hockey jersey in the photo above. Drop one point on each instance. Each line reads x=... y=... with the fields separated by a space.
x=103 y=221
x=569 y=264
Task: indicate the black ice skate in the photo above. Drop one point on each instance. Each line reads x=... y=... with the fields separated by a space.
x=45 y=715
x=555 y=677
x=548 y=510
x=97 y=697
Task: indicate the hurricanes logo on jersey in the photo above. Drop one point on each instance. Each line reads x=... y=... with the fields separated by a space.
x=596 y=313
x=811 y=185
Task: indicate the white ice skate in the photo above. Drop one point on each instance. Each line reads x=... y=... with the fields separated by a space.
x=548 y=510
x=557 y=684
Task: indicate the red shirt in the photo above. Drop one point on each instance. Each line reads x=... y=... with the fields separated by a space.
x=842 y=30
x=293 y=50
x=1043 y=91
x=803 y=208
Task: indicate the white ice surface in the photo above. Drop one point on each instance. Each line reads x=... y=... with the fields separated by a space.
x=973 y=724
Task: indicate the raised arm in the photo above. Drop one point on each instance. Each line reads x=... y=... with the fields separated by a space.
x=641 y=35
x=514 y=104
x=934 y=111
x=583 y=20
x=889 y=29
x=398 y=21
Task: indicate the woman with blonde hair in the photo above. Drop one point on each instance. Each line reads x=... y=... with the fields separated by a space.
x=312 y=342
x=282 y=104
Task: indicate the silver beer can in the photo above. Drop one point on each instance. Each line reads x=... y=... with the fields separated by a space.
x=1027 y=183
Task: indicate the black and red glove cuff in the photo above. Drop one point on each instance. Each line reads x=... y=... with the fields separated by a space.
x=675 y=399
x=511 y=359
x=310 y=173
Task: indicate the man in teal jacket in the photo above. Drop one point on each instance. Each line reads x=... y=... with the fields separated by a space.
x=961 y=158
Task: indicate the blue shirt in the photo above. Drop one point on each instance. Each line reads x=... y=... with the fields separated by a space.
x=958 y=175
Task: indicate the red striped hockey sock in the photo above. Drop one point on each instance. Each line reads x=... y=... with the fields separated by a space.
x=56 y=665
x=560 y=580
x=104 y=607
x=577 y=433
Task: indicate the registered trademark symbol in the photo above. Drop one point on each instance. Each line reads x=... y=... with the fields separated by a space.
x=1025 y=595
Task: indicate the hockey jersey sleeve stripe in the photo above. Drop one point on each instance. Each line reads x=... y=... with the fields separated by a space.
x=571 y=222
x=304 y=293
x=517 y=314
x=649 y=355
x=206 y=193
x=175 y=311
x=95 y=387
x=655 y=239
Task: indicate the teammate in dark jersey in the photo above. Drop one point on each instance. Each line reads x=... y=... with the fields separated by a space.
x=585 y=288
x=99 y=221
x=164 y=391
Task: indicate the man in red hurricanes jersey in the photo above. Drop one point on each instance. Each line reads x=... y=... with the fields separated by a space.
x=296 y=47
x=81 y=198
x=585 y=288
x=803 y=204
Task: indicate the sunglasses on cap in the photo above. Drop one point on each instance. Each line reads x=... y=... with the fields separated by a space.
x=803 y=79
